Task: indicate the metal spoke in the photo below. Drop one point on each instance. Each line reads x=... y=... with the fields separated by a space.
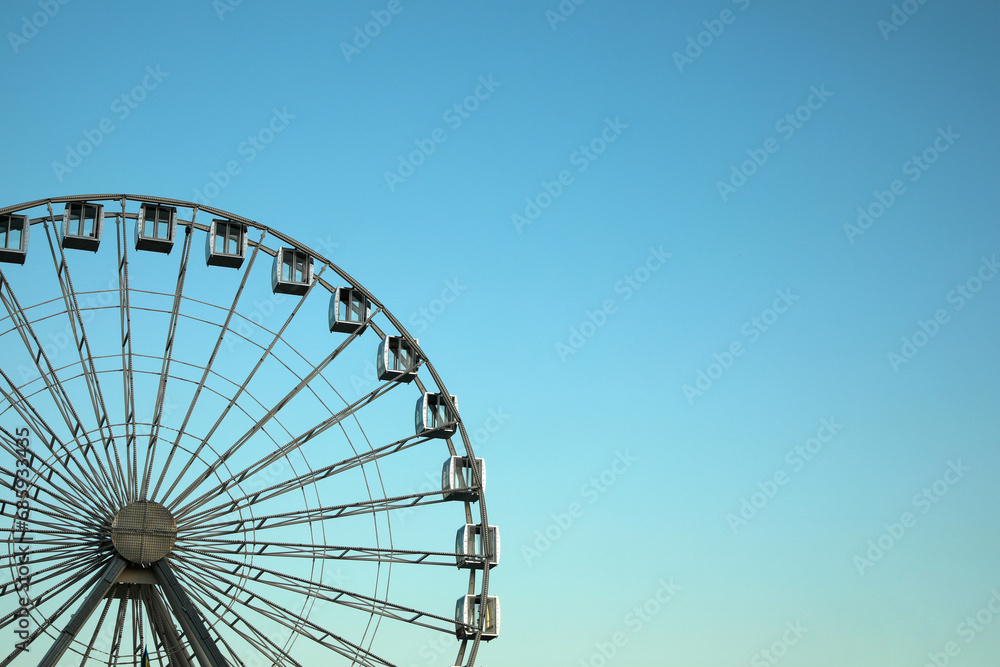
x=50 y=620
x=298 y=624
x=232 y=403
x=284 y=450
x=90 y=604
x=168 y=354
x=60 y=507
x=128 y=383
x=53 y=572
x=86 y=358
x=208 y=546
x=320 y=591
x=55 y=389
x=163 y=626
x=194 y=626
x=260 y=641
x=312 y=515
x=304 y=479
x=97 y=632
x=66 y=495
x=208 y=367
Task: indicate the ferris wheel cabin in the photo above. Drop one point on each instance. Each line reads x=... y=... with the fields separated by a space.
x=470 y=548
x=14 y=231
x=458 y=481
x=156 y=228
x=293 y=272
x=467 y=615
x=226 y=244
x=83 y=225
x=350 y=310
x=396 y=360
x=434 y=417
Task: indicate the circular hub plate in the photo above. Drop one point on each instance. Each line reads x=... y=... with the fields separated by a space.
x=143 y=532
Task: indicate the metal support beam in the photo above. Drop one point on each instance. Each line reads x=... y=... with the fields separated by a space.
x=204 y=647
x=82 y=614
x=163 y=626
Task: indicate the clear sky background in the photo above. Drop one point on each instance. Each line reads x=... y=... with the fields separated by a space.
x=650 y=218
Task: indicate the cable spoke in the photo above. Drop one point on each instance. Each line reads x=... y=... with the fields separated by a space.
x=97 y=632
x=50 y=618
x=55 y=389
x=302 y=480
x=51 y=573
x=208 y=367
x=41 y=430
x=294 y=622
x=71 y=512
x=128 y=380
x=168 y=354
x=86 y=358
x=319 y=591
x=259 y=640
x=232 y=403
x=312 y=515
x=211 y=545
x=284 y=450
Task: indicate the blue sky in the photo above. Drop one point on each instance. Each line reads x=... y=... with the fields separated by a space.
x=620 y=203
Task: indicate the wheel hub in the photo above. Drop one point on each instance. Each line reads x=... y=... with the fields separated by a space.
x=143 y=532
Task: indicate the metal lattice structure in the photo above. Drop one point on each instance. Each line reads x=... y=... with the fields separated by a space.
x=214 y=462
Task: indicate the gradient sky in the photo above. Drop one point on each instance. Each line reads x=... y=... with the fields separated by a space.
x=636 y=193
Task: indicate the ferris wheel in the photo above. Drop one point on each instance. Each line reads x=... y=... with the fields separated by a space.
x=207 y=455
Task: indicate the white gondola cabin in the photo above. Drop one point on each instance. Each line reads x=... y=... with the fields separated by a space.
x=470 y=548
x=467 y=614
x=156 y=228
x=14 y=231
x=226 y=244
x=292 y=272
x=434 y=417
x=83 y=225
x=396 y=360
x=349 y=310
x=458 y=481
